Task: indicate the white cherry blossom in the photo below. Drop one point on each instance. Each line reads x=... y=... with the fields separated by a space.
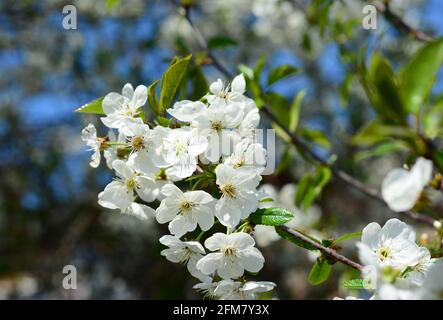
x=181 y=147
x=222 y=94
x=121 y=109
x=401 y=188
x=239 y=197
x=391 y=246
x=234 y=254
x=186 y=110
x=248 y=156
x=188 y=252
x=184 y=211
x=89 y=135
x=121 y=193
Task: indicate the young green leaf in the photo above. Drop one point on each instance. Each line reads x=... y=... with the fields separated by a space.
x=294 y=113
x=420 y=73
x=382 y=89
x=319 y=272
x=152 y=97
x=221 y=42
x=271 y=216
x=94 y=106
x=311 y=186
x=281 y=72
x=170 y=82
x=288 y=236
x=315 y=136
x=345 y=237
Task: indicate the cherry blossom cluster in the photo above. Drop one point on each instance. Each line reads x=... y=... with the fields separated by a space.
x=395 y=266
x=201 y=169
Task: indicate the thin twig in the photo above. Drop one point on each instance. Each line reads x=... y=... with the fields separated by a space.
x=329 y=252
x=400 y=24
x=339 y=174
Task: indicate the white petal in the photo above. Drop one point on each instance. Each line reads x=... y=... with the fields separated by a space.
x=89 y=133
x=181 y=225
x=112 y=102
x=142 y=211
x=216 y=87
x=209 y=263
x=146 y=188
x=171 y=190
x=172 y=242
x=371 y=235
x=238 y=84
x=217 y=241
x=95 y=159
x=140 y=96
x=115 y=196
x=251 y=259
x=166 y=213
x=422 y=169
x=241 y=240
x=128 y=91
x=201 y=197
x=122 y=169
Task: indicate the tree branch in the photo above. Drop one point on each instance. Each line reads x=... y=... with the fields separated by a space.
x=339 y=174
x=398 y=22
x=329 y=252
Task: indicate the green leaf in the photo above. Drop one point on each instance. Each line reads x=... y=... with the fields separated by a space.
x=162 y=121
x=376 y=131
x=288 y=236
x=152 y=97
x=279 y=105
x=420 y=73
x=315 y=136
x=311 y=186
x=200 y=85
x=355 y=284
x=94 y=106
x=271 y=216
x=294 y=113
x=221 y=42
x=281 y=72
x=381 y=149
x=346 y=237
x=319 y=272
x=381 y=87
x=285 y=161
x=170 y=82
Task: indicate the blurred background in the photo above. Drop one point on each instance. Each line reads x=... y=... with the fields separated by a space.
x=49 y=216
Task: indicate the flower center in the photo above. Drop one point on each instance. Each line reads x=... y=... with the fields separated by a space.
x=229 y=251
x=217 y=126
x=239 y=163
x=186 y=206
x=138 y=143
x=384 y=253
x=103 y=143
x=228 y=190
x=131 y=183
x=180 y=148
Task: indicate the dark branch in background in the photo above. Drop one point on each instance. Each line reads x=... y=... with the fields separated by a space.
x=398 y=22
x=328 y=252
x=339 y=174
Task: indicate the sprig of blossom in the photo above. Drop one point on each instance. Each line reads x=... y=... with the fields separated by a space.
x=212 y=140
